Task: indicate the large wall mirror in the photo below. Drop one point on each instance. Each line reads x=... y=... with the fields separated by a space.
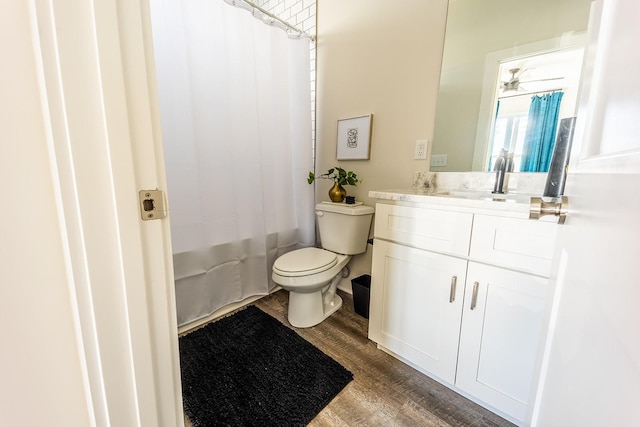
x=498 y=56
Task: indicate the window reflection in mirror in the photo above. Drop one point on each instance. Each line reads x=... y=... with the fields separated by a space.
x=482 y=35
x=521 y=82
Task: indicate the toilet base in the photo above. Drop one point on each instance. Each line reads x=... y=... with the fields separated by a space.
x=309 y=309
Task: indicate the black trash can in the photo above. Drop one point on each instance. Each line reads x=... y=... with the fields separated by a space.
x=361 y=287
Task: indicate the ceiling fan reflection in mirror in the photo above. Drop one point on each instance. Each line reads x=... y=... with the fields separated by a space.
x=513 y=84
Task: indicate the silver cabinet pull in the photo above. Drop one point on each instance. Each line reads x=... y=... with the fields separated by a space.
x=452 y=292
x=474 y=296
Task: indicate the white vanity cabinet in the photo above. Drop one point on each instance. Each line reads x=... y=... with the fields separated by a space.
x=461 y=295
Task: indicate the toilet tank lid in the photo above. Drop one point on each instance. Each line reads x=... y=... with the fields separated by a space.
x=344 y=209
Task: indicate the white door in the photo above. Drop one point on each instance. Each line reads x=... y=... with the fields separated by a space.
x=416 y=306
x=89 y=334
x=501 y=323
x=590 y=370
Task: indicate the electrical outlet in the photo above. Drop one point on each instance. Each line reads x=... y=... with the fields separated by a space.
x=421 y=150
x=439 y=160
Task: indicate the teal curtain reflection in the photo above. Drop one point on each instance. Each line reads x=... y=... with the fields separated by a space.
x=541 y=132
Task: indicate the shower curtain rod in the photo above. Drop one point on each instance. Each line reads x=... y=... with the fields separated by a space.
x=253 y=7
x=532 y=93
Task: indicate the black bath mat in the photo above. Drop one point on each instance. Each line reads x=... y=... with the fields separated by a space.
x=249 y=369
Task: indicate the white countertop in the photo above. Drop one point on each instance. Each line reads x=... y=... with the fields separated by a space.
x=510 y=204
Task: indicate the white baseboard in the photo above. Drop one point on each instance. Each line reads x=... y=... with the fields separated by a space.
x=187 y=327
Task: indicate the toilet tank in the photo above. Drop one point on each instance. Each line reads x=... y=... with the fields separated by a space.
x=344 y=229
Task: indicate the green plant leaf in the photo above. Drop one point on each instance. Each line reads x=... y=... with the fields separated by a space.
x=336 y=174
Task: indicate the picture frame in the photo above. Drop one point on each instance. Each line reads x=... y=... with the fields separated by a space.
x=354 y=138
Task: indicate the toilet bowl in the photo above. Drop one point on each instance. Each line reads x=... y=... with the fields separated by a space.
x=311 y=275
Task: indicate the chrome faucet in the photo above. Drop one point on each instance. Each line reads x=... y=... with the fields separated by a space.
x=500 y=168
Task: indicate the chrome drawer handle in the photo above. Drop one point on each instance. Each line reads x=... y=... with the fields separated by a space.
x=474 y=296
x=452 y=292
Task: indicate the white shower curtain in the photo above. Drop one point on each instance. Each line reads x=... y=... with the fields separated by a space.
x=235 y=106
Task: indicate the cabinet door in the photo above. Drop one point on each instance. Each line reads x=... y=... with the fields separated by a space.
x=416 y=306
x=500 y=336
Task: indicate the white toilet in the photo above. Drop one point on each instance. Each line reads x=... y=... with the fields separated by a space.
x=311 y=275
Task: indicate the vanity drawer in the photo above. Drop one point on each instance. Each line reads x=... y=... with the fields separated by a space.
x=435 y=230
x=514 y=243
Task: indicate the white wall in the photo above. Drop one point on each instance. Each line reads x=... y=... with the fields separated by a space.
x=381 y=57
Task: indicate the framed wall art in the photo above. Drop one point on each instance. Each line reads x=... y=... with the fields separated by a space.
x=354 y=138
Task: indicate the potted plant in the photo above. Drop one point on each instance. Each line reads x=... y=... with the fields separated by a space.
x=339 y=177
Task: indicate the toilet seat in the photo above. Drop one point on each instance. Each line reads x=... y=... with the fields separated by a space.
x=304 y=262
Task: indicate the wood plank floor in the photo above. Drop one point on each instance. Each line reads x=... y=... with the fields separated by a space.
x=385 y=391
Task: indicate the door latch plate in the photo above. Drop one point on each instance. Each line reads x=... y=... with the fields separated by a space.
x=152 y=205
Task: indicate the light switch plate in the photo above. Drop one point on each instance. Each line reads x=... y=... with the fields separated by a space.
x=439 y=160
